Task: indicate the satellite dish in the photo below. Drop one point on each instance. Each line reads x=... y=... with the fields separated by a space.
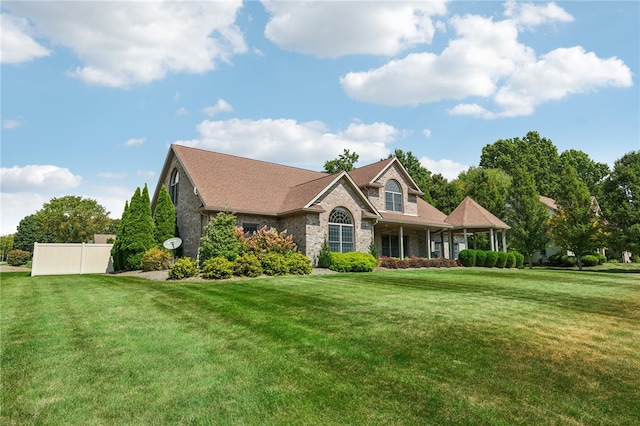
x=172 y=243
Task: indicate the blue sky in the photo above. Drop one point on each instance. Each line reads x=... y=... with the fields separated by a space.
x=93 y=93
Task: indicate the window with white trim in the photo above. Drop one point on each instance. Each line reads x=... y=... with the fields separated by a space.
x=393 y=196
x=341 y=230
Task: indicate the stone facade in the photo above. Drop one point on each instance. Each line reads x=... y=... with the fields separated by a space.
x=377 y=196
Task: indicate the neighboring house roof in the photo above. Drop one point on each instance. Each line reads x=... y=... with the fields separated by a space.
x=472 y=215
x=550 y=202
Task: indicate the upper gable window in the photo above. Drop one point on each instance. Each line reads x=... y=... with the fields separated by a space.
x=393 y=196
x=173 y=190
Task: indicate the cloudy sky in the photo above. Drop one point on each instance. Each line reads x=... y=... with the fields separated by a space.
x=93 y=92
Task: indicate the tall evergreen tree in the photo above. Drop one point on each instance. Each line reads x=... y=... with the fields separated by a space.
x=164 y=217
x=576 y=226
x=527 y=215
x=137 y=231
x=118 y=249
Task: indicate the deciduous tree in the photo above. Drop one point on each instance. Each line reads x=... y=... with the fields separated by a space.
x=576 y=226
x=620 y=202
x=527 y=215
x=487 y=187
x=73 y=219
x=344 y=162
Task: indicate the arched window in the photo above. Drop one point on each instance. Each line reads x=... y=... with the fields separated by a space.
x=393 y=196
x=341 y=230
x=173 y=190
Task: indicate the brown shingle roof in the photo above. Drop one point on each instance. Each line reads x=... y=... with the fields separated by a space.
x=427 y=216
x=249 y=185
x=366 y=174
x=470 y=214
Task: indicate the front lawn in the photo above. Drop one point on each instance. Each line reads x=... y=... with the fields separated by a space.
x=436 y=346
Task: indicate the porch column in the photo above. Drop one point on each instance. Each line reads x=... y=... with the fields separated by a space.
x=491 y=239
x=475 y=245
x=401 y=242
x=428 y=243
x=450 y=245
x=504 y=240
x=466 y=243
x=442 y=243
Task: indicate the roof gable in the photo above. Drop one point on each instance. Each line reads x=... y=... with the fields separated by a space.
x=470 y=214
x=368 y=175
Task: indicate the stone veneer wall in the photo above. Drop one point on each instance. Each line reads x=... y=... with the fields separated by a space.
x=340 y=195
x=190 y=222
x=377 y=198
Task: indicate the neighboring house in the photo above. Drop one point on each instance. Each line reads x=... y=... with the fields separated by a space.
x=543 y=255
x=379 y=201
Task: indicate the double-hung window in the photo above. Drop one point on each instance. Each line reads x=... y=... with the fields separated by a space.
x=393 y=196
x=341 y=230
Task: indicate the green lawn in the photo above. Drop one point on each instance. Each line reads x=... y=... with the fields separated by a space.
x=440 y=346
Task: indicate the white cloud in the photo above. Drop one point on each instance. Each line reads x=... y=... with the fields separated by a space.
x=15 y=207
x=182 y=111
x=10 y=123
x=18 y=44
x=135 y=141
x=427 y=133
x=112 y=175
x=220 y=106
x=126 y=43
x=47 y=177
x=447 y=168
x=146 y=174
x=487 y=61
x=331 y=29
x=287 y=141
x=530 y=15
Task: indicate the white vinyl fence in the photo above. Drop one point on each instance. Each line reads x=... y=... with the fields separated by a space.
x=65 y=259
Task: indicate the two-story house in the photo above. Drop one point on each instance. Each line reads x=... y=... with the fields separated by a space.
x=379 y=202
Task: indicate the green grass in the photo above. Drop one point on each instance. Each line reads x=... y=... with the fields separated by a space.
x=463 y=346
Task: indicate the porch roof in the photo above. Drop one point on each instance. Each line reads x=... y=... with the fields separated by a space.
x=471 y=215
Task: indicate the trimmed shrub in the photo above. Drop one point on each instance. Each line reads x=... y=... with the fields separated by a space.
x=274 y=264
x=298 y=264
x=519 y=260
x=353 y=262
x=601 y=258
x=492 y=258
x=555 y=259
x=156 y=259
x=220 y=238
x=590 y=260
x=481 y=257
x=18 y=257
x=502 y=259
x=269 y=240
x=467 y=258
x=324 y=258
x=568 y=261
x=373 y=249
x=511 y=260
x=184 y=267
x=247 y=265
x=217 y=268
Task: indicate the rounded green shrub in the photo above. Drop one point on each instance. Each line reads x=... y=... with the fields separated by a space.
x=156 y=259
x=555 y=259
x=467 y=258
x=298 y=264
x=502 y=259
x=511 y=260
x=274 y=264
x=568 y=261
x=353 y=262
x=590 y=260
x=519 y=260
x=481 y=257
x=217 y=268
x=184 y=267
x=601 y=258
x=247 y=265
x=18 y=257
x=491 y=259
